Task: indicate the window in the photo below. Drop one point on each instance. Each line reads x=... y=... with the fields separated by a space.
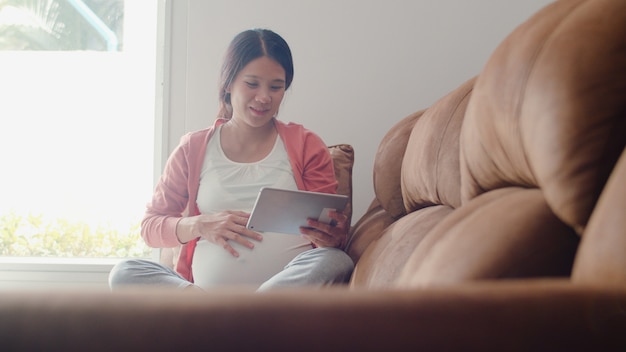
x=77 y=128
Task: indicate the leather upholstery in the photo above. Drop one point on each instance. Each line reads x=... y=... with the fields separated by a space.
x=499 y=178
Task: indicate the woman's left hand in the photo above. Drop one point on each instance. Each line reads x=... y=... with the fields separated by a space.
x=328 y=235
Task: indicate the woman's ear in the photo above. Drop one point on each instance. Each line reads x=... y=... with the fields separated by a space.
x=227 y=95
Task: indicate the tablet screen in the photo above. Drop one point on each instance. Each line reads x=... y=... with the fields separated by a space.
x=285 y=211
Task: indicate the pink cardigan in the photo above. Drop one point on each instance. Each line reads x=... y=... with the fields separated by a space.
x=177 y=189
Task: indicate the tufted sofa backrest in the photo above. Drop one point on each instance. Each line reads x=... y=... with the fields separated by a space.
x=548 y=111
x=499 y=178
x=430 y=171
x=417 y=162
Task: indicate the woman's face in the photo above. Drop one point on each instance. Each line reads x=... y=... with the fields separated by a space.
x=257 y=91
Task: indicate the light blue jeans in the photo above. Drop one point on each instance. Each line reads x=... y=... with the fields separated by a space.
x=316 y=268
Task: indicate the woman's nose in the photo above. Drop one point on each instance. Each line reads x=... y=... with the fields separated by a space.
x=263 y=97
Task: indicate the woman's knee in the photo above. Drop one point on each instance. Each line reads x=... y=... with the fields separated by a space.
x=125 y=272
x=143 y=272
x=344 y=265
x=334 y=264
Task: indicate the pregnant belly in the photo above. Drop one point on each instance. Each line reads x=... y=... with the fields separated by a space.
x=213 y=266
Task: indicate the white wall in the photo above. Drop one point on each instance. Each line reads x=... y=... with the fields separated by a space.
x=360 y=66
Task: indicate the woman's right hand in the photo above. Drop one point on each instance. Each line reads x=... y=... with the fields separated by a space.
x=218 y=228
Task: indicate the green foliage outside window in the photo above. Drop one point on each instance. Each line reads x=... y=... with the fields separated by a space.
x=33 y=236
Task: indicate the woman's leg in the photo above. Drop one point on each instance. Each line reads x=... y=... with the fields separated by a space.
x=142 y=272
x=317 y=267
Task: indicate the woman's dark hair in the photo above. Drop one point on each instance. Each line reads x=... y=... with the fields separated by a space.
x=245 y=47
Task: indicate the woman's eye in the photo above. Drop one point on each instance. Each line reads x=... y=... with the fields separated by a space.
x=252 y=84
x=277 y=87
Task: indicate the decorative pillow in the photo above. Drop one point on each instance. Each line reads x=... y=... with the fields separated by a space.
x=343 y=160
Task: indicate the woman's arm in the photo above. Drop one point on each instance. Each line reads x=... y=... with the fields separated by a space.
x=316 y=173
x=310 y=159
x=169 y=201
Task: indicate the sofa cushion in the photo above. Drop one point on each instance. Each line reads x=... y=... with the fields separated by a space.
x=388 y=165
x=384 y=259
x=601 y=260
x=368 y=229
x=430 y=169
x=506 y=233
x=548 y=110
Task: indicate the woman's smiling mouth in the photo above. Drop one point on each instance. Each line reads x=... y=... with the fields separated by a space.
x=259 y=111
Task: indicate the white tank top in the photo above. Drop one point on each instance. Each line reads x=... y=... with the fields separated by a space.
x=229 y=185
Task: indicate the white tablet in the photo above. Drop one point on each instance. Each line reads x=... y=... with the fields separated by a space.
x=285 y=211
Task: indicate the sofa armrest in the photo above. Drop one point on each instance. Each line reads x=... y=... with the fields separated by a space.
x=511 y=316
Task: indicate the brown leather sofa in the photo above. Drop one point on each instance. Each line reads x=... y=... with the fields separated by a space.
x=498 y=224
